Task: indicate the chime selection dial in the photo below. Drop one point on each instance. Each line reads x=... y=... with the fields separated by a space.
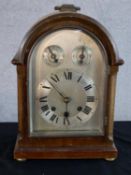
x=82 y=55
x=53 y=55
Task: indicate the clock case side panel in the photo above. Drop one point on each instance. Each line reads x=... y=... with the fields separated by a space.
x=86 y=147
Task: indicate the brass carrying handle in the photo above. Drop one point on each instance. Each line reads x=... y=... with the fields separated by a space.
x=67 y=7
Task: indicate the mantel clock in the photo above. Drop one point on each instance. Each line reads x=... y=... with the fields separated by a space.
x=66 y=67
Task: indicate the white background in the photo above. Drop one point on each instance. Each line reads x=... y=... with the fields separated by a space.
x=16 y=18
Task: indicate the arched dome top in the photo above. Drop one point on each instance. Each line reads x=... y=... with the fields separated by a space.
x=67 y=20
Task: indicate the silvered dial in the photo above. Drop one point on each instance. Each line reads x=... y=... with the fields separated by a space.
x=67 y=98
x=67 y=89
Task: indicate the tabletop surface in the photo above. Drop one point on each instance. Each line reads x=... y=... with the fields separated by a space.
x=121 y=166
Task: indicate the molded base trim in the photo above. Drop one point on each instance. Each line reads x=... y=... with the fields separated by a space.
x=91 y=151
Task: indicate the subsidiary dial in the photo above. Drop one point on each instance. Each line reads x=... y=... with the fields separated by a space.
x=81 y=55
x=53 y=55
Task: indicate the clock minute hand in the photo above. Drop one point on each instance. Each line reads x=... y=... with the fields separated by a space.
x=57 y=90
x=50 y=50
x=82 y=56
x=53 y=56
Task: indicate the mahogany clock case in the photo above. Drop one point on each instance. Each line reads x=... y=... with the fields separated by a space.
x=65 y=147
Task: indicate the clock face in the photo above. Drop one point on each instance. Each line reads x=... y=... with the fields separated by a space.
x=67 y=75
x=67 y=98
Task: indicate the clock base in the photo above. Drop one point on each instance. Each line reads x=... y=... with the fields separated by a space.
x=82 y=148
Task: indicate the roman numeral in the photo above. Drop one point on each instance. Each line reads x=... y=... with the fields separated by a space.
x=79 y=118
x=55 y=78
x=44 y=108
x=90 y=98
x=53 y=117
x=43 y=99
x=79 y=78
x=47 y=113
x=87 y=110
x=88 y=87
x=66 y=121
x=46 y=87
x=68 y=75
x=56 y=119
